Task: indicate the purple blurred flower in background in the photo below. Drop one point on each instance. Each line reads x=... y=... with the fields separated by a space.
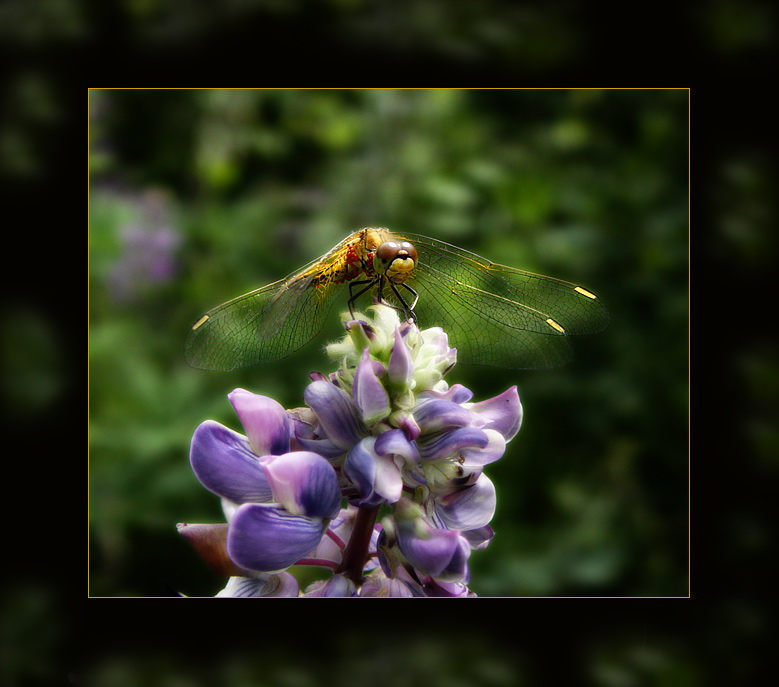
x=379 y=479
x=149 y=248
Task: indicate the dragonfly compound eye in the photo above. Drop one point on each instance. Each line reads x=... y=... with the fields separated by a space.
x=409 y=250
x=396 y=259
x=387 y=252
x=392 y=250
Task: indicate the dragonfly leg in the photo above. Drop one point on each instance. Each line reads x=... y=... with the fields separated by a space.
x=354 y=296
x=406 y=309
x=416 y=298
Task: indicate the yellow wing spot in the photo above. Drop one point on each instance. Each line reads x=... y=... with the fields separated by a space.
x=554 y=325
x=200 y=322
x=584 y=292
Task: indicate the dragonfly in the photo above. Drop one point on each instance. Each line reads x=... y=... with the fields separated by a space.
x=493 y=314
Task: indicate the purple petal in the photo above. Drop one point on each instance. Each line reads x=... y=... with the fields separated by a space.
x=447 y=444
x=405 y=420
x=456 y=394
x=265 y=537
x=338 y=416
x=327 y=552
x=401 y=367
x=442 y=554
x=225 y=464
x=438 y=338
x=360 y=469
x=281 y=585
x=368 y=392
x=265 y=421
x=435 y=414
x=379 y=585
x=474 y=458
x=306 y=428
x=395 y=442
x=436 y=588
x=389 y=483
x=304 y=483
x=324 y=447
x=469 y=508
x=502 y=413
x=479 y=539
x=376 y=477
x=336 y=586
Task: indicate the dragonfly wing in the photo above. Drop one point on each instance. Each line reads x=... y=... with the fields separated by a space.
x=472 y=319
x=261 y=326
x=497 y=315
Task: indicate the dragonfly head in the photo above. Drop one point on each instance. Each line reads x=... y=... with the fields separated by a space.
x=396 y=260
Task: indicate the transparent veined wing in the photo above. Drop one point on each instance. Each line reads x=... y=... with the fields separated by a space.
x=262 y=326
x=498 y=315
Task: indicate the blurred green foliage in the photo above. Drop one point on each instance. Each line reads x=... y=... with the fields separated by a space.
x=445 y=657
x=199 y=195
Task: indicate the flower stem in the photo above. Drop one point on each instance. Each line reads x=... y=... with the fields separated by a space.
x=356 y=552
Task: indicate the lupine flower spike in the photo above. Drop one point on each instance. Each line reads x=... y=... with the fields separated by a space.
x=379 y=480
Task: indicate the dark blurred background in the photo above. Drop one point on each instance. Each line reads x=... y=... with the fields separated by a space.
x=198 y=195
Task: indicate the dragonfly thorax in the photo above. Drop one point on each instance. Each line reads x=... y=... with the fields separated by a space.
x=395 y=260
